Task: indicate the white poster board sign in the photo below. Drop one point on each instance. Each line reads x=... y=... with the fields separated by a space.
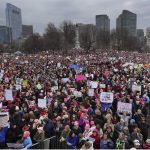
x=8 y=95
x=102 y=86
x=65 y=80
x=4 y=117
x=106 y=97
x=77 y=94
x=58 y=65
x=94 y=84
x=18 y=87
x=136 y=88
x=54 y=88
x=18 y=81
x=42 y=103
x=124 y=107
x=91 y=92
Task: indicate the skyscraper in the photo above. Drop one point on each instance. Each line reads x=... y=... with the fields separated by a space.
x=127 y=21
x=103 y=23
x=140 y=36
x=14 y=21
x=27 y=30
x=148 y=37
x=4 y=35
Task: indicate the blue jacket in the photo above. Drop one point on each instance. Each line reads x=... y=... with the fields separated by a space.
x=106 y=144
x=72 y=141
x=27 y=142
x=3 y=133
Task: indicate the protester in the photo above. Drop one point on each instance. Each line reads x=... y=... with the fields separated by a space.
x=96 y=100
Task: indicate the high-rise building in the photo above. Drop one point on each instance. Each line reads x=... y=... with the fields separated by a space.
x=148 y=37
x=14 y=21
x=27 y=31
x=140 y=36
x=103 y=23
x=4 y=35
x=127 y=21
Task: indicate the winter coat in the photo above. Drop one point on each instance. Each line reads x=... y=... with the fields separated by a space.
x=3 y=133
x=106 y=144
x=96 y=143
x=27 y=142
x=72 y=141
x=39 y=137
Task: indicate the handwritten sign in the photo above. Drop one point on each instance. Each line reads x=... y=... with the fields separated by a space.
x=4 y=117
x=91 y=92
x=102 y=86
x=42 y=103
x=106 y=97
x=124 y=107
x=136 y=88
x=94 y=84
x=65 y=80
x=8 y=95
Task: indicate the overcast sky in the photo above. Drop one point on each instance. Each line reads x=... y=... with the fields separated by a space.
x=40 y=12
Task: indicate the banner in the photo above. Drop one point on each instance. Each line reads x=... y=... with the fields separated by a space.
x=8 y=95
x=124 y=107
x=106 y=97
x=4 y=117
x=42 y=103
x=80 y=77
x=91 y=92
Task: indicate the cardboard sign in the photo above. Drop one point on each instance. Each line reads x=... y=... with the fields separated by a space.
x=102 y=86
x=124 y=107
x=65 y=80
x=94 y=84
x=80 y=77
x=4 y=117
x=8 y=95
x=106 y=97
x=136 y=88
x=42 y=103
x=91 y=92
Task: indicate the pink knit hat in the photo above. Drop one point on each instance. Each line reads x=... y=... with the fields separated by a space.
x=26 y=134
x=87 y=126
x=76 y=123
x=92 y=123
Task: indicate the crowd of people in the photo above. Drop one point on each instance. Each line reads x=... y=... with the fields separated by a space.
x=61 y=95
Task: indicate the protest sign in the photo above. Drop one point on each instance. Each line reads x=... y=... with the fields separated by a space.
x=136 y=88
x=18 y=87
x=38 y=86
x=8 y=95
x=65 y=80
x=80 y=77
x=106 y=97
x=78 y=70
x=18 y=81
x=54 y=88
x=73 y=66
x=102 y=86
x=91 y=92
x=124 y=107
x=77 y=94
x=4 y=117
x=58 y=65
x=94 y=84
x=42 y=103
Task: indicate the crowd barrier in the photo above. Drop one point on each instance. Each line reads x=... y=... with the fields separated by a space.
x=51 y=143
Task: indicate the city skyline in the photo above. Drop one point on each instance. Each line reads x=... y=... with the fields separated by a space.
x=47 y=11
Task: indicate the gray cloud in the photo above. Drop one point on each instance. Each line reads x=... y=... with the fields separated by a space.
x=40 y=12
